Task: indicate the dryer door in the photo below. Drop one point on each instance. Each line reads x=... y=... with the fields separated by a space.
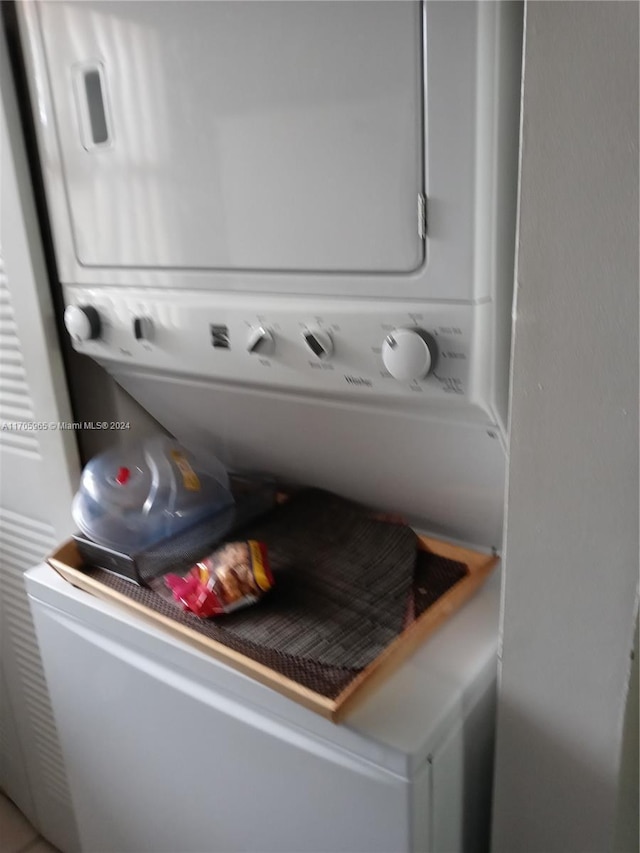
x=258 y=136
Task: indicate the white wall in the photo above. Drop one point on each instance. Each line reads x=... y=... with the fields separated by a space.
x=571 y=555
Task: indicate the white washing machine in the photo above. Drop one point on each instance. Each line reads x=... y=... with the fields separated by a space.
x=287 y=230
x=169 y=750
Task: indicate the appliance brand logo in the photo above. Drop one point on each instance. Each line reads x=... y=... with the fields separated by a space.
x=358 y=380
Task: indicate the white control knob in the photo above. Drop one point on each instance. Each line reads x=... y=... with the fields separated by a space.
x=319 y=342
x=409 y=354
x=260 y=341
x=82 y=322
x=143 y=328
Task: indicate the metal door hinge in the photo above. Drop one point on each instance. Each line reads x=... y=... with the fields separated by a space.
x=422 y=216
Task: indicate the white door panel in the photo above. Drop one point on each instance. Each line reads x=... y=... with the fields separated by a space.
x=38 y=472
x=13 y=773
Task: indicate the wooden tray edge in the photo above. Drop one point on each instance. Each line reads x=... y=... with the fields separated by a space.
x=480 y=568
x=66 y=561
x=247 y=666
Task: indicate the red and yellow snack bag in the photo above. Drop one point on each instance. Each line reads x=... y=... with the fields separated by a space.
x=236 y=575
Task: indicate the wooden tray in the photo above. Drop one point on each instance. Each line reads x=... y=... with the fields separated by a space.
x=67 y=562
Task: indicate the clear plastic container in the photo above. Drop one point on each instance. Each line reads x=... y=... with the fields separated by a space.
x=131 y=498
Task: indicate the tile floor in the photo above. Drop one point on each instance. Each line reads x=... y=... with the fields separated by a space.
x=16 y=833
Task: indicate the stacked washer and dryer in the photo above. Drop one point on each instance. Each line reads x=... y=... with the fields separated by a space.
x=287 y=230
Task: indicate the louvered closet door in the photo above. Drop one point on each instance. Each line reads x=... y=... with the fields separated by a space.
x=38 y=473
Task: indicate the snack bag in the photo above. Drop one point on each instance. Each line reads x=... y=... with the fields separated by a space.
x=236 y=575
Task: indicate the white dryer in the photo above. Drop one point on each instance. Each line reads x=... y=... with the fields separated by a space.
x=287 y=230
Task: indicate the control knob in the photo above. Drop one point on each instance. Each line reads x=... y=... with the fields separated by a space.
x=260 y=341
x=143 y=328
x=319 y=342
x=409 y=354
x=82 y=322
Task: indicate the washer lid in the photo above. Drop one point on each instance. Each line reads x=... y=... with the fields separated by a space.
x=267 y=136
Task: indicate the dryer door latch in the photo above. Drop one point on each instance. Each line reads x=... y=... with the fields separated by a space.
x=422 y=216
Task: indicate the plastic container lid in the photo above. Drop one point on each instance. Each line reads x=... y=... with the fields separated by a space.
x=131 y=498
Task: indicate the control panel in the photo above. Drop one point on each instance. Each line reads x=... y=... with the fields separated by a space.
x=425 y=354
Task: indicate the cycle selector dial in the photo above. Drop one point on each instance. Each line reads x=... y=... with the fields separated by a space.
x=409 y=354
x=319 y=342
x=260 y=341
x=82 y=322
